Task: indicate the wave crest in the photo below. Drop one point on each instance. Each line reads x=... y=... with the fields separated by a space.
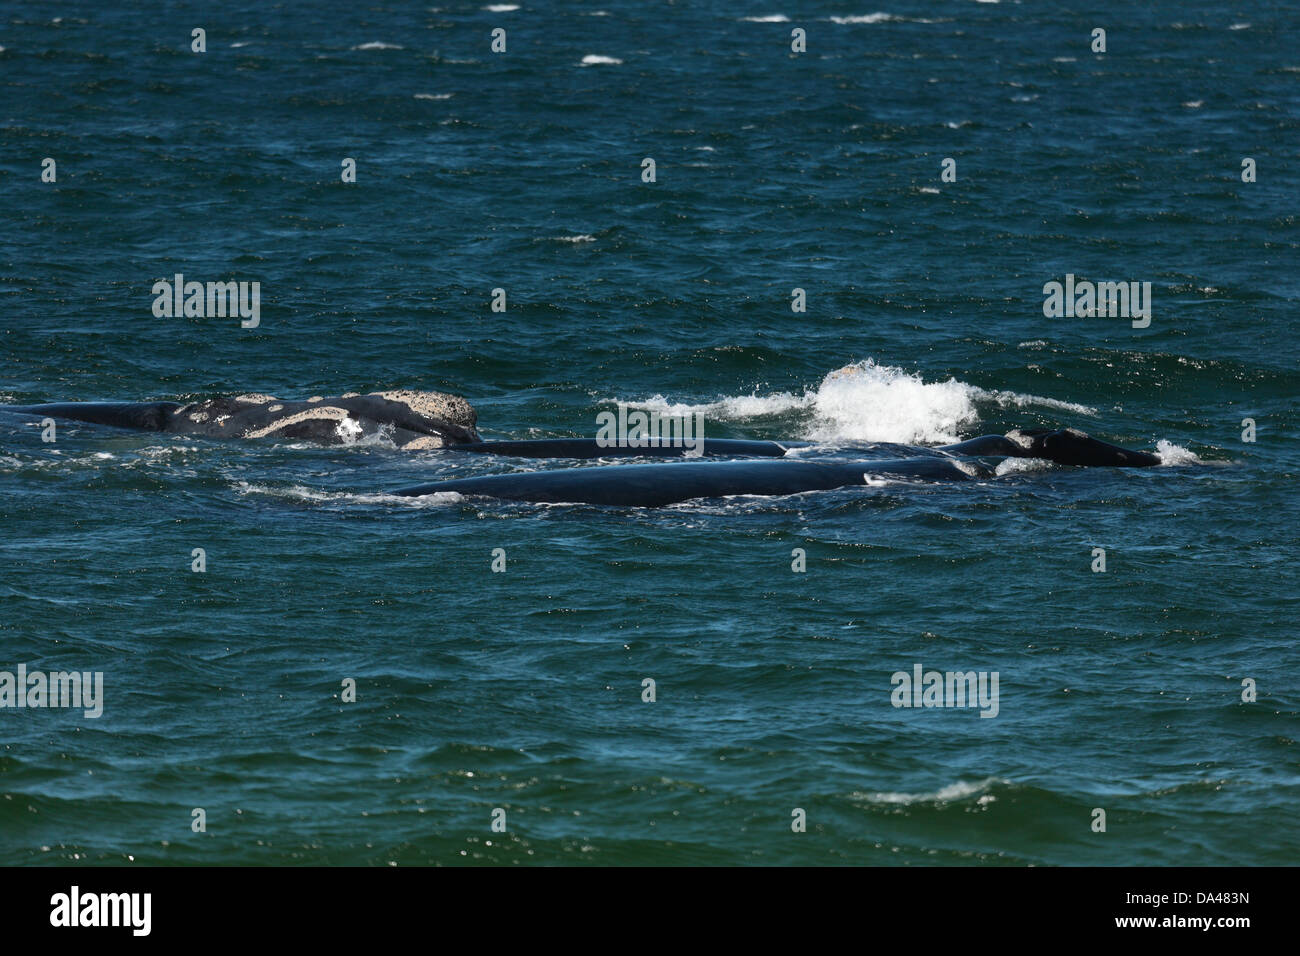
x=869 y=402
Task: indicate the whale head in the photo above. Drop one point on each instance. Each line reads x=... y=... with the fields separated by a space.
x=424 y=419
x=410 y=419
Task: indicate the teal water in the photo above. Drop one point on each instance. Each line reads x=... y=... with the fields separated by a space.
x=522 y=690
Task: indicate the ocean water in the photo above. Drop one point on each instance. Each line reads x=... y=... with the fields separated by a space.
x=522 y=691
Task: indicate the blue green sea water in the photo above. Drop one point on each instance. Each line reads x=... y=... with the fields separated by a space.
x=775 y=170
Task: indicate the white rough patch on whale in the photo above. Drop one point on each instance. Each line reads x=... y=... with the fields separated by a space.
x=323 y=413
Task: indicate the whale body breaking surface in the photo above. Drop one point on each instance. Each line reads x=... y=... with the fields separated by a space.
x=426 y=420
x=411 y=419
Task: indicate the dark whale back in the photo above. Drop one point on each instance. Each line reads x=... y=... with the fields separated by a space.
x=410 y=419
x=666 y=483
x=149 y=416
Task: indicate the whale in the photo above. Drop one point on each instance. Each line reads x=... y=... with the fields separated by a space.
x=1066 y=446
x=665 y=483
x=716 y=467
x=410 y=419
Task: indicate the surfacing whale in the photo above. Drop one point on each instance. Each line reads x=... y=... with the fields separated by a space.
x=655 y=485
x=437 y=420
x=410 y=419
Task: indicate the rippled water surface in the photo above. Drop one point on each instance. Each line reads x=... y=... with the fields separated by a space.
x=523 y=690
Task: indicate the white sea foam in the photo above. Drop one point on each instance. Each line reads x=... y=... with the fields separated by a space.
x=434 y=96
x=501 y=7
x=954 y=791
x=1171 y=454
x=1016 y=466
x=865 y=18
x=348 y=430
x=595 y=59
x=378 y=45
x=767 y=18
x=869 y=402
x=303 y=493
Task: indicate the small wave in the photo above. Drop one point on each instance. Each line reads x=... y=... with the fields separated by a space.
x=501 y=7
x=866 y=18
x=961 y=790
x=767 y=18
x=1171 y=454
x=315 y=495
x=378 y=45
x=582 y=237
x=595 y=59
x=434 y=96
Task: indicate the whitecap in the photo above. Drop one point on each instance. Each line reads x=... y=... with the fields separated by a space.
x=954 y=791
x=1173 y=455
x=865 y=18
x=869 y=402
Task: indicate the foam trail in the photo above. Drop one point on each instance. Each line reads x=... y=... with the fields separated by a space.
x=303 y=493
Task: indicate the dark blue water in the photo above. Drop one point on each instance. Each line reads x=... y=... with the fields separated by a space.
x=522 y=690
